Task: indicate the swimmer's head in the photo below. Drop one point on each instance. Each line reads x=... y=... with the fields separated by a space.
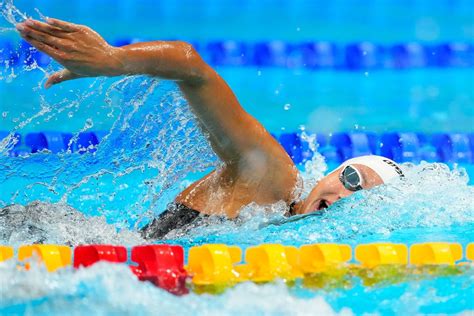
x=354 y=174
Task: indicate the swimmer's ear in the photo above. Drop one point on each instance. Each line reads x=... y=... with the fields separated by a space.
x=60 y=76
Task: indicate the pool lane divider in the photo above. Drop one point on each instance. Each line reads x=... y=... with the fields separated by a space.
x=335 y=147
x=221 y=265
x=311 y=55
x=53 y=257
x=6 y=252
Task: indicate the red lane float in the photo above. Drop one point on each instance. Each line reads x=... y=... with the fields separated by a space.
x=162 y=265
x=87 y=255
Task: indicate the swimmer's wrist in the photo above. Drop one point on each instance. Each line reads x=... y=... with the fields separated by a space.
x=117 y=62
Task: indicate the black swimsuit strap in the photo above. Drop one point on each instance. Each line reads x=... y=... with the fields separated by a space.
x=174 y=217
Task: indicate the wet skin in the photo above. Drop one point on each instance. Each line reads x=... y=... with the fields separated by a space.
x=255 y=168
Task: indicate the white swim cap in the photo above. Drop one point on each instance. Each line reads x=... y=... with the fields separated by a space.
x=387 y=169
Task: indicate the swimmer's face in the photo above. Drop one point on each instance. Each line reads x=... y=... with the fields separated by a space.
x=330 y=189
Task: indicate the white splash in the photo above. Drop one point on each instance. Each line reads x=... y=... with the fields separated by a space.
x=109 y=289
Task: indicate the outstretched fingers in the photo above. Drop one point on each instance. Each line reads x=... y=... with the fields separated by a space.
x=60 y=76
x=63 y=25
x=33 y=34
x=46 y=28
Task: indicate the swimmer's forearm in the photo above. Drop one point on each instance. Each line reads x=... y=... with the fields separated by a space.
x=168 y=60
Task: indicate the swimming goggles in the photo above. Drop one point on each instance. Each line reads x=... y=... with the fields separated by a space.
x=351 y=178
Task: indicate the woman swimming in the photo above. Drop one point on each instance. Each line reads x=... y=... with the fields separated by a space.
x=255 y=167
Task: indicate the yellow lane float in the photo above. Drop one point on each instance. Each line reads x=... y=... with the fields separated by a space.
x=319 y=257
x=376 y=254
x=470 y=251
x=6 y=252
x=213 y=264
x=219 y=264
x=266 y=262
x=435 y=253
x=53 y=256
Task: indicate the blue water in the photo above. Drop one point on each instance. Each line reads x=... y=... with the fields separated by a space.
x=154 y=149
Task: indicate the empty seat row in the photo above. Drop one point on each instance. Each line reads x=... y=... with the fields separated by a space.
x=337 y=147
x=313 y=55
x=401 y=147
x=53 y=141
x=214 y=264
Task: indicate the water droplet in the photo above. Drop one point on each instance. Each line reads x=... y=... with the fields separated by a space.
x=70 y=114
x=302 y=127
x=298 y=29
x=89 y=123
x=287 y=106
x=366 y=73
x=259 y=73
x=4 y=114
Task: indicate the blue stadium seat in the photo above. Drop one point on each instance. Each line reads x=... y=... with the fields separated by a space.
x=400 y=147
x=320 y=55
x=410 y=55
x=100 y=135
x=453 y=147
x=53 y=141
x=363 y=55
x=3 y=134
x=322 y=140
x=454 y=55
x=351 y=145
x=427 y=150
x=56 y=141
x=274 y=53
x=29 y=55
x=471 y=141
x=227 y=53
x=9 y=53
x=85 y=140
x=292 y=144
x=36 y=142
x=331 y=154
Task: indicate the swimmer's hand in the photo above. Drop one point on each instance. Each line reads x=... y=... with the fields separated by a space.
x=82 y=51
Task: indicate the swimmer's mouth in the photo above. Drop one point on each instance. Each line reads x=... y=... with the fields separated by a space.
x=323 y=204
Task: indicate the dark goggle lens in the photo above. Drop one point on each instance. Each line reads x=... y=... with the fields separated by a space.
x=350 y=178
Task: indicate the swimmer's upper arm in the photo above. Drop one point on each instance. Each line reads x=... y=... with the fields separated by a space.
x=234 y=134
x=251 y=154
x=232 y=131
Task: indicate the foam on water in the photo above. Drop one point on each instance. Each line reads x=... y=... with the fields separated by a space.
x=107 y=289
x=110 y=289
x=58 y=224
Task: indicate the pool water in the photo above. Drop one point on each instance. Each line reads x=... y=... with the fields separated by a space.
x=153 y=149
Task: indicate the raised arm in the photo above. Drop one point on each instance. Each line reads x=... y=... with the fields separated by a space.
x=235 y=136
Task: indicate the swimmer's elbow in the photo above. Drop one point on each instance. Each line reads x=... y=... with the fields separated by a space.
x=197 y=70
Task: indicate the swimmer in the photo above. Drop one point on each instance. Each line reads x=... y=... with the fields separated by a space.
x=255 y=166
